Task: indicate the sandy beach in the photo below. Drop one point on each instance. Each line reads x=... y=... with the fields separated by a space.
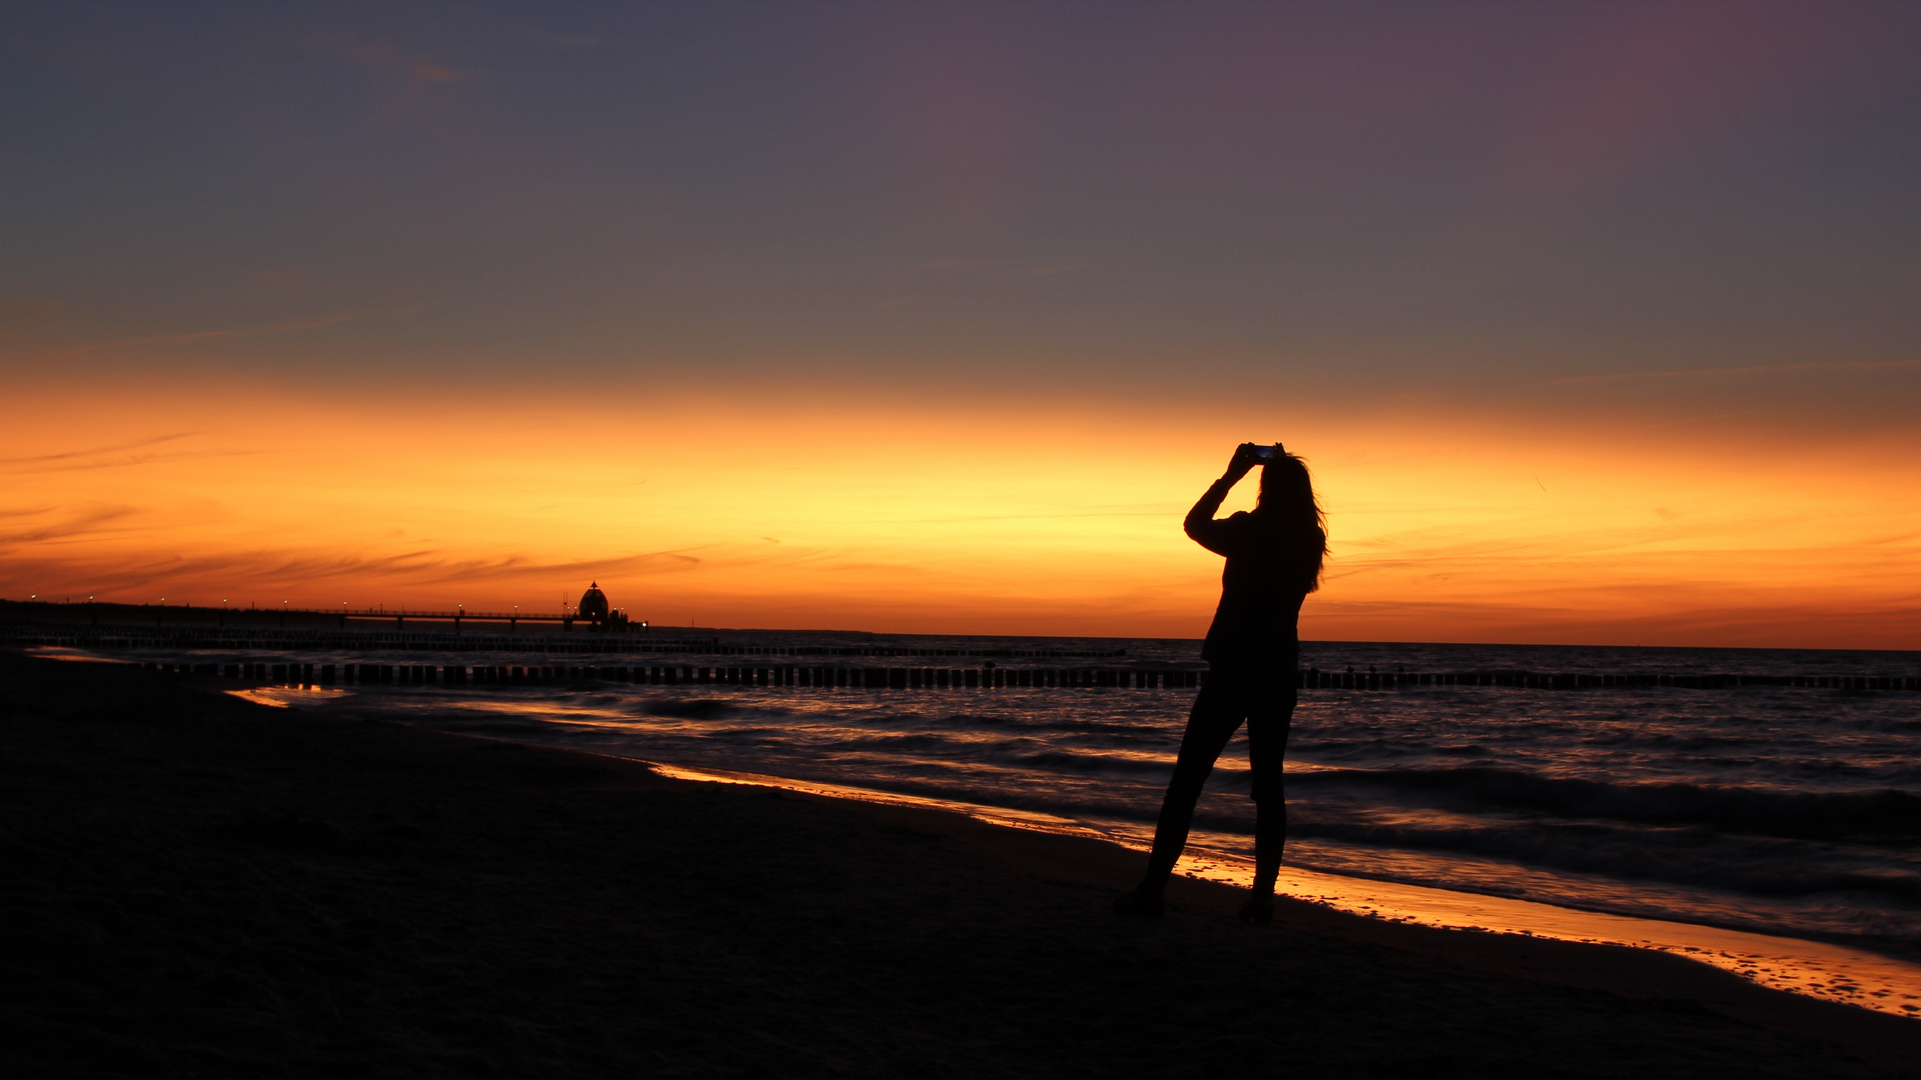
x=199 y=885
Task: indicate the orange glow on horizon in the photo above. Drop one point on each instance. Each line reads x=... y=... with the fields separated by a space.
x=952 y=517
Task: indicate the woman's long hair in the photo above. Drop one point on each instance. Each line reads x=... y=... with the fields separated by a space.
x=1287 y=499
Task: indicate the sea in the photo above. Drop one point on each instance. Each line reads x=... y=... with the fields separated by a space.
x=1779 y=810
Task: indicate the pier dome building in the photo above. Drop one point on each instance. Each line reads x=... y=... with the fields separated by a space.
x=593 y=604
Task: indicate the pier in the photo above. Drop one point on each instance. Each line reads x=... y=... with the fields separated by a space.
x=90 y=613
x=635 y=654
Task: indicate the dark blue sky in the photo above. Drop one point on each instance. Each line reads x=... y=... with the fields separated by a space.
x=1431 y=195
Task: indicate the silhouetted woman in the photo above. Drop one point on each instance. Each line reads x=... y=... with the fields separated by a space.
x=1273 y=561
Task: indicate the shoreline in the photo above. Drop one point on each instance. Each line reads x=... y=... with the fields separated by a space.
x=1627 y=968
x=1771 y=964
x=203 y=876
x=1829 y=971
x=1806 y=968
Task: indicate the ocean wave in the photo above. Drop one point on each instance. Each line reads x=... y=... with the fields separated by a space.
x=488 y=725
x=1059 y=760
x=1784 y=869
x=689 y=708
x=1045 y=723
x=895 y=742
x=1887 y=814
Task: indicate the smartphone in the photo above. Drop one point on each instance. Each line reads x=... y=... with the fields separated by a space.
x=1266 y=454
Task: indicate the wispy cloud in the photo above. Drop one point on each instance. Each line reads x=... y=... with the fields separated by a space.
x=1145 y=510
x=297 y=571
x=415 y=72
x=419 y=70
x=87 y=522
x=652 y=562
x=1003 y=267
x=115 y=456
x=18 y=315
x=1687 y=421
x=216 y=335
x=1758 y=369
x=114 y=449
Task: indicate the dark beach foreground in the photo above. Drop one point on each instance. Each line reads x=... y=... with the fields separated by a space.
x=195 y=885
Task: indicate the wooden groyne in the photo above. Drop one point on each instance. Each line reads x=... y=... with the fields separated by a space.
x=788 y=675
x=986 y=677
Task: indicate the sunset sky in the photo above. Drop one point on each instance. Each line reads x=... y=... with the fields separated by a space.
x=1596 y=323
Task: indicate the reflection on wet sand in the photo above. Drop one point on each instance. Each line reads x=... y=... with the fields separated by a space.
x=1832 y=972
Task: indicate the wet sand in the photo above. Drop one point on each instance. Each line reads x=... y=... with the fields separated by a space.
x=198 y=885
x=1814 y=968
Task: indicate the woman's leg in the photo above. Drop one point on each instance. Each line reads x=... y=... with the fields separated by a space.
x=1216 y=714
x=1267 y=728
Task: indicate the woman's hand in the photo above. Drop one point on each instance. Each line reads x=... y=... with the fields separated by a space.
x=1241 y=463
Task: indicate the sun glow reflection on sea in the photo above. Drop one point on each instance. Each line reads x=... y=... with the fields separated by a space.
x=1813 y=968
x=286 y=697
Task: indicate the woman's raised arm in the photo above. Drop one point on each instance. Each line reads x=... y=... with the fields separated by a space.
x=1200 y=525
